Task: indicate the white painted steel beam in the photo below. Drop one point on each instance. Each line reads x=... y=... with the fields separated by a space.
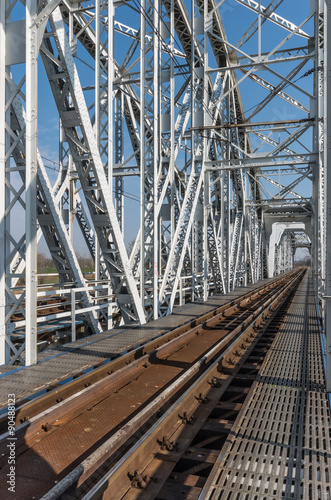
x=4 y=348
x=327 y=146
x=90 y=169
x=31 y=59
x=274 y=17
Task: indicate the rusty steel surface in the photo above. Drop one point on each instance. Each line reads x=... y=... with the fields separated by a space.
x=64 y=437
x=60 y=364
x=263 y=434
x=30 y=378
x=145 y=468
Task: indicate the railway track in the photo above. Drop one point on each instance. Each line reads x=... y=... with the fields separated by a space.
x=120 y=431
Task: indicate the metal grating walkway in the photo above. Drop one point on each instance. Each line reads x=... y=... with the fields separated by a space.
x=279 y=446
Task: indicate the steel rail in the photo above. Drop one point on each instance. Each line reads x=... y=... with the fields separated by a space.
x=26 y=411
x=97 y=458
x=36 y=428
x=128 y=366
x=129 y=471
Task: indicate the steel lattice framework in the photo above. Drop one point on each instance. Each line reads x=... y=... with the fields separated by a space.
x=159 y=98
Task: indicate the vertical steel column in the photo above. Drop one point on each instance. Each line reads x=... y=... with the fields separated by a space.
x=119 y=156
x=156 y=156
x=4 y=348
x=225 y=194
x=317 y=108
x=167 y=137
x=97 y=120
x=149 y=157
x=198 y=110
x=314 y=105
x=228 y=204
x=110 y=110
x=64 y=186
x=142 y=152
x=172 y=123
x=246 y=236
x=327 y=116
x=206 y=173
x=72 y=201
x=119 y=198
x=320 y=242
x=31 y=183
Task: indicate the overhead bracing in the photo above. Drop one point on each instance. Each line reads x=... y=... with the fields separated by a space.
x=161 y=98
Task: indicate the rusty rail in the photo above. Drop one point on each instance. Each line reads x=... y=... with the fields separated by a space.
x=140 y=467
x=26 y=410
x=178 y=361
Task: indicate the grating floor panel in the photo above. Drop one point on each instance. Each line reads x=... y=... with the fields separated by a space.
x=279 y=446
x=62 y=362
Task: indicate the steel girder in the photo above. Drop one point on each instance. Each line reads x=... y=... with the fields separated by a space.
x=284 y=254
x=48 y=215
x=208 y=174
x=183 y=27
x=327 y=184
x=76 y=122
x=22 y=303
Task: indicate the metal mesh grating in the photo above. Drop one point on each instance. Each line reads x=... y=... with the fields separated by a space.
x=279 y=447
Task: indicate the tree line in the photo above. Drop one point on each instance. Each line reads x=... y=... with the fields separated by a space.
x=45 y=262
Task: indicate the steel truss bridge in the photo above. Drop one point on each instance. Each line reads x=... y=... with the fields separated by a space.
x=220 y=134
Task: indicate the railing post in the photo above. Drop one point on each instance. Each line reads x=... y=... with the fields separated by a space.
x=327 y=94
x=73 y=315
x=180 y=291
x=110 y=308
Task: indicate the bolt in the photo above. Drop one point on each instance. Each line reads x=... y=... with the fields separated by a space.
x=186 y=419
x=168 y=445
x=202 y=399
x=215 y=382
x=140 y=480
x=46 y=427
